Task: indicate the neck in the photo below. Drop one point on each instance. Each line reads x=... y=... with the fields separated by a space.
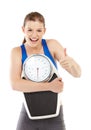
x=36 y=49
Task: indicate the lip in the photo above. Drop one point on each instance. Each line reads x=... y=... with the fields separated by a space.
x=33 y=40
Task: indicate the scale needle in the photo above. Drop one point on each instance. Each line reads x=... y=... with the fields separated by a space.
x=37 y=73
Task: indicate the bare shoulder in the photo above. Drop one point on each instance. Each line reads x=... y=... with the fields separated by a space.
x=54 y=44
x=16 y=52
x=56 y=48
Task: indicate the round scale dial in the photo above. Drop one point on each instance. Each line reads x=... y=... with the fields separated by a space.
x=37 y=67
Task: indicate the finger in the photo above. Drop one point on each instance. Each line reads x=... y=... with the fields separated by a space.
x=65 y=52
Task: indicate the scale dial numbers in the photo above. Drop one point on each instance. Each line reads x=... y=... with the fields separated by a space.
x=37 y=68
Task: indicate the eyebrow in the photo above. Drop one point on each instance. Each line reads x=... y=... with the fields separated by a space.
x=36 y=28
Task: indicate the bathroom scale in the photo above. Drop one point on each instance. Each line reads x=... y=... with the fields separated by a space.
x=43 y=104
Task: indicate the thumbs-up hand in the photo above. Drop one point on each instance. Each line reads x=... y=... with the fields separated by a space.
x=66 y=62
x=70 y=65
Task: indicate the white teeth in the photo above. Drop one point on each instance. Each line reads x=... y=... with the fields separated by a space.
x=33 y=39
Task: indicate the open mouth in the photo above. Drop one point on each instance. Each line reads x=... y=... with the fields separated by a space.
x=33 y=40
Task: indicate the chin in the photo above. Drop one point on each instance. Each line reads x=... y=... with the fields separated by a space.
x=34 y=44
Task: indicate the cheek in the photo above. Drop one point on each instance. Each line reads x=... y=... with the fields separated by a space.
x=41 y=34
x=27 y=33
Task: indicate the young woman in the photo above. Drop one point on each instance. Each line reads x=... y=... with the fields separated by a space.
x=34 y=30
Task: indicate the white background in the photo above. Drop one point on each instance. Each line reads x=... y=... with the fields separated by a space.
x=68 y=21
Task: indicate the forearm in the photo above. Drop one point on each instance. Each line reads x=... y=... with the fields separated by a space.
x=29 y=86
x=74 y=69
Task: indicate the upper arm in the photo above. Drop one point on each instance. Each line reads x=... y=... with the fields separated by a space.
x=57 y=49
x=16 y=64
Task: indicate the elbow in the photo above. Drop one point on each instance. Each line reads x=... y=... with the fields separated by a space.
x=77 y=74
x=14 y=86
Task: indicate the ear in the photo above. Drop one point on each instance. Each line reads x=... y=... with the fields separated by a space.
x=44 y=30
x=23 y=30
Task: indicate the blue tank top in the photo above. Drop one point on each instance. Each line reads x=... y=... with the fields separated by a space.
x=46 y=52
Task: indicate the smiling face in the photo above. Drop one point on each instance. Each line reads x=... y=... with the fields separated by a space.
x=34 y=31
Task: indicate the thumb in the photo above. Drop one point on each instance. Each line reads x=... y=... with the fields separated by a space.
x=65 y=52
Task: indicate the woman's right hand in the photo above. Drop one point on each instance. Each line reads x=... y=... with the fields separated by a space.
x=56 y=85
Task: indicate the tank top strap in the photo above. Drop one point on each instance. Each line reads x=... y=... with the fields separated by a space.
x=24 y=54
x=47 y=52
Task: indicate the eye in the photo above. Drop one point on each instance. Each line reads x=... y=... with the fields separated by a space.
x=29 y=30
x=39 y=30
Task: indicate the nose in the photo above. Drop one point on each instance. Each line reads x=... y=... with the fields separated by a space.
x=34 y=34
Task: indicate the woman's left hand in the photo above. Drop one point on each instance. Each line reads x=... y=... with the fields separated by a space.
x=70 y=65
